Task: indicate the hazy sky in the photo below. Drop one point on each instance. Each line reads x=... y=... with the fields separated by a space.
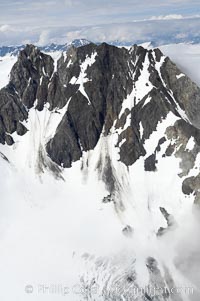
x=59 y=21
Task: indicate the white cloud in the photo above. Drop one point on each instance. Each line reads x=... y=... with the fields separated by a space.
x=5 y=28
x=44 y=38
x=167 y=17
x=149 y=30
x=26 y=41
x=72 y=35
x=173 y=17
x=178 y=27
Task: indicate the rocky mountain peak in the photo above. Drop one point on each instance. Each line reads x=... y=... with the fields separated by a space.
x=104 y=89
x=29 y=51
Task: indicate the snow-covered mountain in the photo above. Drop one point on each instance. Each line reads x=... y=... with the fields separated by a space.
x=99 y=182
x=65 y=47
x=14 y=50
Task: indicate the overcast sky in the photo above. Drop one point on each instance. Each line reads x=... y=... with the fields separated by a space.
x=46 y=21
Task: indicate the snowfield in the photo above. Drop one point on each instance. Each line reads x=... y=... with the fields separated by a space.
x=59 y=232
x=6 y=63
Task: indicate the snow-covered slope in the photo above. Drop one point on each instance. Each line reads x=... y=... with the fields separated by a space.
x=118 y=224
x=58 y=233
x=6 y=63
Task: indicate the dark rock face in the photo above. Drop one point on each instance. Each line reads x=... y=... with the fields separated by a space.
x=29 y=80
x=150 y=163
x=186 y=92
x=188 y=185
x=93 y=82
x=64 y=149
x=181 y=133
x=87 y=119
x=30 y=76
x=12 y=113
x=160 y=142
